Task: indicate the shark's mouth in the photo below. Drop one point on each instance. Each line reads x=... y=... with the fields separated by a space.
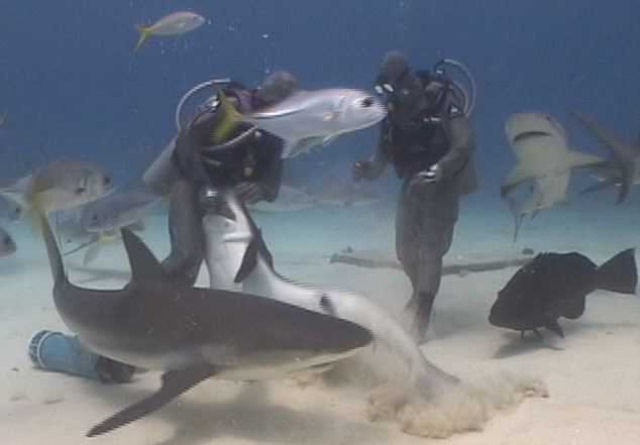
x=530 y=135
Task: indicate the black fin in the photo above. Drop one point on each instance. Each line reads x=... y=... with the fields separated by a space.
x=55 y=259
x=249 y=261
x=619 y=274
x=554 y=327
x=628 y=174
x=174 y=383
x=144 y=266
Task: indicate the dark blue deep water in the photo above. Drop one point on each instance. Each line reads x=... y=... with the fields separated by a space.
x=73 y=87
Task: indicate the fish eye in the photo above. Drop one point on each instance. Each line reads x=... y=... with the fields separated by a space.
x=80 y=190
x=94 y=218
x=7 y=241
x=107 y=180
x=367 y=102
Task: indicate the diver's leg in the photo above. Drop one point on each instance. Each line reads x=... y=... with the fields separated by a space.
x=185 y=233
x=406 y=247
x=437 y=221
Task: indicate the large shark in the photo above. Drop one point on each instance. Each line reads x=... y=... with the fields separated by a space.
x=193 y=333
x=623 y=169
x=237 y=255
x=541 y=147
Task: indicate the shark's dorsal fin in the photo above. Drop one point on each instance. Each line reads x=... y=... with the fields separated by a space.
x=144 y=265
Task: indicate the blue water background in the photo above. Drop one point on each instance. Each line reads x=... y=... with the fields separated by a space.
x=73 y=88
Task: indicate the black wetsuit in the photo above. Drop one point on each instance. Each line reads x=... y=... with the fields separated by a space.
x=254 y=160
x=427 y=211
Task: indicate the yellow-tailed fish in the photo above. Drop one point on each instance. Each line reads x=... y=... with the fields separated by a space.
x=174 y=24
x=230 y=117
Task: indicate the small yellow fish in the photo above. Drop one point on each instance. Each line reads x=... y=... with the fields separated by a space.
x=171 y=25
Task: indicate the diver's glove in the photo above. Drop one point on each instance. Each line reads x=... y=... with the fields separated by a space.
x=249 y=192
x=428 y=176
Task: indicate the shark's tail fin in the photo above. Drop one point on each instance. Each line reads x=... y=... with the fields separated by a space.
x=55 y=259
x=619 y=274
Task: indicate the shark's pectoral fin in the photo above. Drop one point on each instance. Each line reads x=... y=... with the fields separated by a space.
x=174 y=383
x=516 y=176
x=249 y=261
x=578 y=159
x=144 y=265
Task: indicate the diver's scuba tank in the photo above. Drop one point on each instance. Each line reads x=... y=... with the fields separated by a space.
x=466 y=97
x=214 y=83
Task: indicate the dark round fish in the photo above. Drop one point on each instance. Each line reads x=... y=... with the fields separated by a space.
x=555 y=285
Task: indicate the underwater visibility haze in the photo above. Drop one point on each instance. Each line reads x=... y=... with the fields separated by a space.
x=392 y=337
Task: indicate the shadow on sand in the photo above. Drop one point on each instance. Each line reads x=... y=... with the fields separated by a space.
x=250 y=416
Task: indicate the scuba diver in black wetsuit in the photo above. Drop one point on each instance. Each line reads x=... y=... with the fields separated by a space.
x=191 y=170
x=196 y=167
x=428 y=138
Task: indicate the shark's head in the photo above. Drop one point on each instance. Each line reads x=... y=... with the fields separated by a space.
x=521 y=126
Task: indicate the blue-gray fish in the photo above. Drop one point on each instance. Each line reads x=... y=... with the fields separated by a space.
x=59 y=185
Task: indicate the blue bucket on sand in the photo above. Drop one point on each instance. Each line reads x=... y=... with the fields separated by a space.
x=55 y=351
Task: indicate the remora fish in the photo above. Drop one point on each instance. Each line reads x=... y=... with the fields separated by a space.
x=309 y=118
x=555 y=285
x=7 y=245
x=543 y=157
x=59 y=185
x=623 y=169
x=237 y=255
x=171 y=25
x=192 y=333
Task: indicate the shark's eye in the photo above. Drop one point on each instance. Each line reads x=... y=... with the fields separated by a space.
x=94 y=218
x=367 y=102
x=106 y=180
x=80 y=190
x=7 y=241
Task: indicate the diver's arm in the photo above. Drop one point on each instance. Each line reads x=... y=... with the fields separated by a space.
x=375 y=166
x=462 y=145
x=271 y=174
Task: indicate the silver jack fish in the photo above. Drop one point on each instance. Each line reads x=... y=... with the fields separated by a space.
x=309 y=118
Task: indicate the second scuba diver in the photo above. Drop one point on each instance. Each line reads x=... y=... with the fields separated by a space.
x=428 y=138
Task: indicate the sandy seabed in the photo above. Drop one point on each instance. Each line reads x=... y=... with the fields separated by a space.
x=592 y=376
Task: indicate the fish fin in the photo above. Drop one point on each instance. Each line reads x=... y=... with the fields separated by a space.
x=300 y=146
x=575 y=308
x=517 y=175
x=144 y=265
x=174 y=383
x=619 y=274
x=145 y=33
x=554 y=327
x=575 y=159
x=53 y=252
x=230 y=117
x=249 y=261
x=92 y=252
x=518 y=218
x=329 y=139
x=628 y=173
x=600 y=185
